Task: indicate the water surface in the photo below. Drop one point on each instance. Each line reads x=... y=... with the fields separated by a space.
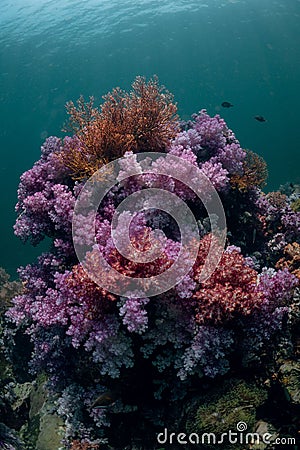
x=205 y=52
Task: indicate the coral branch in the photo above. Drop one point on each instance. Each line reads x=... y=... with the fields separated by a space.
x=143 y=120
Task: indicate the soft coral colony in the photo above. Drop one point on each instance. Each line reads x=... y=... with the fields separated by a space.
x=151 y=351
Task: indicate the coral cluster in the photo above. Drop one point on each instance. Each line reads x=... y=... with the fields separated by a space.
x=255 y=172
x=8 y=437
x=291 y=259
x=142 y=120
x=151 y=351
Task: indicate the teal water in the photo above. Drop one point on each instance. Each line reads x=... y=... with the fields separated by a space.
x=205 y=52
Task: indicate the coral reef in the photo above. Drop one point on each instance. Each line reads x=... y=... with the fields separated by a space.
x=151 y=357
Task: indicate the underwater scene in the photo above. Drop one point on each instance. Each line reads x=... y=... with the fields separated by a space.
x=150 y=232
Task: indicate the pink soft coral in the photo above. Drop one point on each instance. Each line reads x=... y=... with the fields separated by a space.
x=230 y=291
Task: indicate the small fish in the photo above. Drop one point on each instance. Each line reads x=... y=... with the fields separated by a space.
x=254 y=235
x=260 y=118
x=226 y=105
x=106 y=399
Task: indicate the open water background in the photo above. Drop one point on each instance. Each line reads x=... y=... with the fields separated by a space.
x=205 y=52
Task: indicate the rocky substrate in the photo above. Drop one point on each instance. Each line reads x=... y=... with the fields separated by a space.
x=265 y=398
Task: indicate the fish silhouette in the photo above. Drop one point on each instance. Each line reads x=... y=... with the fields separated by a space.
x=260 y=118
x=226 y=105
x=106 y=399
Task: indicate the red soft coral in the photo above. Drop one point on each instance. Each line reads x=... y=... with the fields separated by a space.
x=230 y=291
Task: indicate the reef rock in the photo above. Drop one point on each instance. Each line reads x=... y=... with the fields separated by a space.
x=289 y=376
x=44 y=429
x=263 y=429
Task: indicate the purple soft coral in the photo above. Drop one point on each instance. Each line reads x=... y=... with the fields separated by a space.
x=80 y=330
